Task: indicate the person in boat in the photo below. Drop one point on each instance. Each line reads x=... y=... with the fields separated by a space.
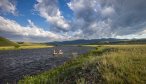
x=60 y=52
x=54 y=52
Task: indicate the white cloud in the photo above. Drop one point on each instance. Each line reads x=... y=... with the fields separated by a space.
x=109 y=18
x=108 y=11
x=89 y=18
x=92 y=19
x=79 y=5
x=49 y=10
x=12 y=29
x=132 y=36
x=7 y=6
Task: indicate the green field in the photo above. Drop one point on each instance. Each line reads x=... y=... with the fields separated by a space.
x=24 y=47
x=109 y=64
x=6 y=44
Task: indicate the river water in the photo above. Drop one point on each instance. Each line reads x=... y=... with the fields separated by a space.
x=15 y=64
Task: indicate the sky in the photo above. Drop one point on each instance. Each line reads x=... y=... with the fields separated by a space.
x=60 y=20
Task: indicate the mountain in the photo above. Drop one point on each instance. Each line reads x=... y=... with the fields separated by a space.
x=6 y=42
x=82 y=41
x=100 y=41
x=131 y=41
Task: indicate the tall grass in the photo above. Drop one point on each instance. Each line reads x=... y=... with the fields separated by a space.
x=106 y=65
x=126 y=65
x=24 y=47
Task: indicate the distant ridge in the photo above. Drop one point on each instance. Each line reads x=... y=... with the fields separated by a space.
x=6 y=42
x=83 y=41
x=100 y=41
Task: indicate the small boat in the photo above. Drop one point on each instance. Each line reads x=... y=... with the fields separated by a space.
x=54 y=53
x=60 y=52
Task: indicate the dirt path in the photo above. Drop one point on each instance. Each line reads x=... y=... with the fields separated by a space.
x=18 y=63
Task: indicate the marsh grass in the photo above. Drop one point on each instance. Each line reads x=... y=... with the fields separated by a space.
x=24 y=47
x=126 y=65
x=106 y=65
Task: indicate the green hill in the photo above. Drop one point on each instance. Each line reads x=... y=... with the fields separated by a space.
x=6 y=42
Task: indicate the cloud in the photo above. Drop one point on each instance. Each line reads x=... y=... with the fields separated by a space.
x=109 y=18
x=11 y=29
x=92 y=19
x=130 y=16
x=89 y=19
x=49 y=10
x=107 y=11
x=7 y=6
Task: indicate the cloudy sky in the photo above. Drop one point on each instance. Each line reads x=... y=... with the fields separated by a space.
x=59 y=20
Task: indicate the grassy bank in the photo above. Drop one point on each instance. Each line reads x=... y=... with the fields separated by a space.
x=6 y=44
x=126 y=65
x=106 y=64
x=23 y=47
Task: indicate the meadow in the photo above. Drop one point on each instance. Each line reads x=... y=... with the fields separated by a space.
x=25 y=46
x=6 y=44
x=108 y=64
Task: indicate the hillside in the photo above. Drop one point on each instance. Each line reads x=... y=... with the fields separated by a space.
x=32 y=44
x=6 y=42
x=82 y=41
x=124 y=41
x=101 y=41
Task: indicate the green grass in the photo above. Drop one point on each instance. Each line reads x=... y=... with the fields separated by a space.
x=24 y=47
x=6 y=42
x=107 y=65
x=126 y=65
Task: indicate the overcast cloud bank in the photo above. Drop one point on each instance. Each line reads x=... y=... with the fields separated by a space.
x=93 y=19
